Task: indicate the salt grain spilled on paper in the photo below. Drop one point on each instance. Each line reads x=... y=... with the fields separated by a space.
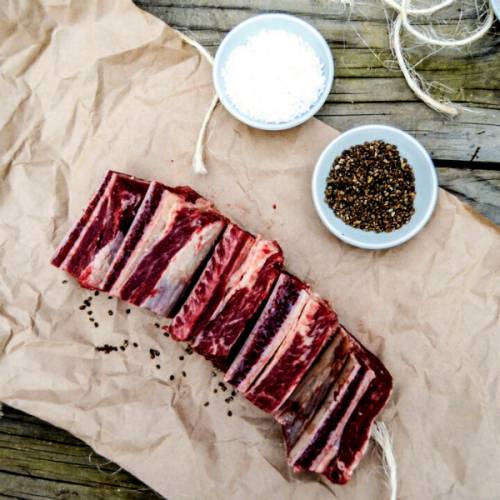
x=274 y=77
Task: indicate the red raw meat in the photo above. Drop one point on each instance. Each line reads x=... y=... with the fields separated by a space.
x=301 y=406
x=280 y=314
x=302 y=343
x=143 y=217
x=229 y=254
x=169 y=242
x=319 y=442
x=238 y=298
x=90 y=247
x=147 y=243
x=356 y=435
x=335 y=439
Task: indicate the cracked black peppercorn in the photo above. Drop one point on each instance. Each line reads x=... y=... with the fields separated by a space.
x=153 y=353
x=106 y=348
x=371 y=187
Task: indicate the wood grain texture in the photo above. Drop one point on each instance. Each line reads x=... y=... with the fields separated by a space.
x=369 y=87
x=479 y=188
x=38 y=460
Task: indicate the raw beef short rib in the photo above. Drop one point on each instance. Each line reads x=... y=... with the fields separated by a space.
x=301 y=406
x=302 y=343
x=329 y=434
x=242 y=292
x=356 y=435
x=143 y=217
x=319 y=443
x=88 y=250
x=170 y=239
x=228 y=256
x=280 y=314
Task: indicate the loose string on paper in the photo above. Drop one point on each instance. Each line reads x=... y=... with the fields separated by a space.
x=198 y=163
x=380 y=434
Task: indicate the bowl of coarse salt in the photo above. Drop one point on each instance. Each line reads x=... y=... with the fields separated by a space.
x=273 y=71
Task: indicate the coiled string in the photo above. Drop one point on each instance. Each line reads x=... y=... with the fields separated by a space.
x=405 y=11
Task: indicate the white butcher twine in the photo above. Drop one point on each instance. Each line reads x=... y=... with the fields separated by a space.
x=405 y=11
x=274 y=77
x=380 y=434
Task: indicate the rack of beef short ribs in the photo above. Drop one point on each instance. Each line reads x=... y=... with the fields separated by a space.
x=169 y=250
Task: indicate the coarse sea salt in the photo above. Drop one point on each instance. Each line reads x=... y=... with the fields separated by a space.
x=274 y=77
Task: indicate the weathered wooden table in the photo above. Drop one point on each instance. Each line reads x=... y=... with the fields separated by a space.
x=40 y=461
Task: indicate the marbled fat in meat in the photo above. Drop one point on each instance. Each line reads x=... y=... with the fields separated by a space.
x=228 y=255
x=90 y=247
x=176 y=237
x=237 y=303
x=280 y=314
x=302 y=343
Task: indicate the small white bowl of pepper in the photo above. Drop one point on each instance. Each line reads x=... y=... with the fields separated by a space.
x=375 y=187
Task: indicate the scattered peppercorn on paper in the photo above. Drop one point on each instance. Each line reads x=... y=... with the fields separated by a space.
x=89 y=86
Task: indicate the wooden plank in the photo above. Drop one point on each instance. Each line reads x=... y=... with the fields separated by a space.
x=479 y=188
x=445 y=139
x=331 y=9
x=365 y=72
x=35 y=488
x=38 y=460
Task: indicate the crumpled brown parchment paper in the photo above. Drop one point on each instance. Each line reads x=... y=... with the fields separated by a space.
x=88 y=86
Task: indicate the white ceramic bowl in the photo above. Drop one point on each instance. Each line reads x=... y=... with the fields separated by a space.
x=496 y=7
x=239 y=36
x=426 y=186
